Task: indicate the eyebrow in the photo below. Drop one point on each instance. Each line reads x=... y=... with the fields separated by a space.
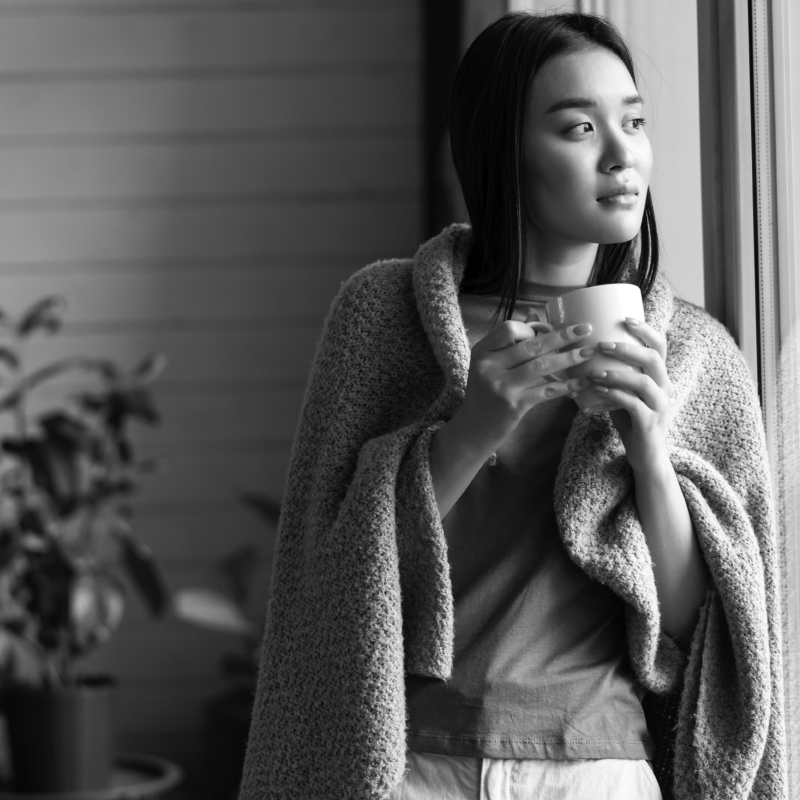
x=587 y=102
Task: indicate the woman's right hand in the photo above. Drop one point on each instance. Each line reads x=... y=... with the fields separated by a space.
x=514 y=368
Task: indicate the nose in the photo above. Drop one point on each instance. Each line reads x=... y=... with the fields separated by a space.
x=617 y=156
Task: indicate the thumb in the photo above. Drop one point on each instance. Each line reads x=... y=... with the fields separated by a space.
x=540 y=327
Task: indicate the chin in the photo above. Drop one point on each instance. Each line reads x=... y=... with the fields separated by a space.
x=617 y=239
x=624 y=231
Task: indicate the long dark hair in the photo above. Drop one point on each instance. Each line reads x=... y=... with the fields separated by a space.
x=487 y=125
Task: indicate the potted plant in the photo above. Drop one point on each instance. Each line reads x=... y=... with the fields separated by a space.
x=67 y=473
x=231 y=606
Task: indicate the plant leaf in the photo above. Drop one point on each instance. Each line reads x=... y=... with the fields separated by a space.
x=103 y=366
x=69 y=428
x=97 y=604
x=9 y=545
x=145 y=574
x=46 y=314
x=48 y=582
x=54 y=466
x=266 y=507
x=136 y=402
x=9 y=357
x=211 y=609
x=147 y=370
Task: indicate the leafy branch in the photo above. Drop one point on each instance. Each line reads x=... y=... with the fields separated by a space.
x=67 y=475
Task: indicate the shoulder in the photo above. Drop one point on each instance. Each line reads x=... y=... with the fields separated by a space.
x=707 y=366
x=694 y=323
x=379 y=285
x=379 y=294
x=374 y=310
x=698 y=336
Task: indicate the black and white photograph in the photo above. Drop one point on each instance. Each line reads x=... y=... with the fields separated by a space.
x=399 y=399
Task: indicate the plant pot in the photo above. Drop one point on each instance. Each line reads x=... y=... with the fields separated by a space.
x=227 y=723
x=61 y=740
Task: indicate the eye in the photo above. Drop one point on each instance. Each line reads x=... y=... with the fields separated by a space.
x=637 y=123
x=582 y=127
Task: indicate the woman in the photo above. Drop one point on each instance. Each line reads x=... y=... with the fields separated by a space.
x=478 y=589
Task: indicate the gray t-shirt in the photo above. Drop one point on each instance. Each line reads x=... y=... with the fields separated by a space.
x=540 y=665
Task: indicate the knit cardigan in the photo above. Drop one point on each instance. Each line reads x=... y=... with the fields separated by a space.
x=361 y=584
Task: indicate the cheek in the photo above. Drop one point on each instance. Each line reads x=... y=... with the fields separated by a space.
x=644 y=160
x=555 y=178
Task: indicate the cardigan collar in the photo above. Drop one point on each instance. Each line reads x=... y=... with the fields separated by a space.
x=438 y=271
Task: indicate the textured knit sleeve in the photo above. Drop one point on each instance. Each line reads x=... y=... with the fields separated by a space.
x=329 y=713
x=729 y=741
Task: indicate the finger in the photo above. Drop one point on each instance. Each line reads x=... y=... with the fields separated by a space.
x=550 y=365
x=504 y=335
x=648 y=335
x=635 y=383
x=625 y=401
x=549 y=391
x=545 y=343
x=649 y=360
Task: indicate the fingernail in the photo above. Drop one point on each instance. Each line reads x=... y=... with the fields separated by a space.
x=632 y=322
x=607 y=345
x=582 y=329
x=598 y=374
x=586 y=352
x=601 y=389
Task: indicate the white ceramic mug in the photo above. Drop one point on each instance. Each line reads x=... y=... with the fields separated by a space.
x=604 y=308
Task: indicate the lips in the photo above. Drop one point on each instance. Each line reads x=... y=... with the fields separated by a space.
x=623 y=190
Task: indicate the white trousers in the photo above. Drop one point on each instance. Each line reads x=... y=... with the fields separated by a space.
x=430 y=776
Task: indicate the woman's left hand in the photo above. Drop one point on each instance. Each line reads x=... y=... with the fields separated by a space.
x=643 y=397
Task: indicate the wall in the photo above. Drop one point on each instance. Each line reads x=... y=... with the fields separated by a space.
x=197 y=178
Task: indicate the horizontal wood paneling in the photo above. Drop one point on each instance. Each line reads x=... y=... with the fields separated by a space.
x=158 y=651
x=192 y=418
x=52 y=231
x=95 y=7
x=250 y=39
x=206 y=355
x=203 y=533
x=168 y=650
x=197 y=177
x=383 y=99
x=176 y=704
x=139 y=623
x=300 y=166
x=163 y=265
x=268 y=416
x=215 y=475
x=180 y=297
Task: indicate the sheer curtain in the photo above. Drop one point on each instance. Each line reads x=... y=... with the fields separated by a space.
x=750 y=110
x=781 y=19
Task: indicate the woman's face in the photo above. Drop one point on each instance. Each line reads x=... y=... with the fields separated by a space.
x=586 y=158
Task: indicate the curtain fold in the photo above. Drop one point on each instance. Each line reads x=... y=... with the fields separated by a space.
x=788 y=480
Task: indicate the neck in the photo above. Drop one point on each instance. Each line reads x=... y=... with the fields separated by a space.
x=559 y=263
